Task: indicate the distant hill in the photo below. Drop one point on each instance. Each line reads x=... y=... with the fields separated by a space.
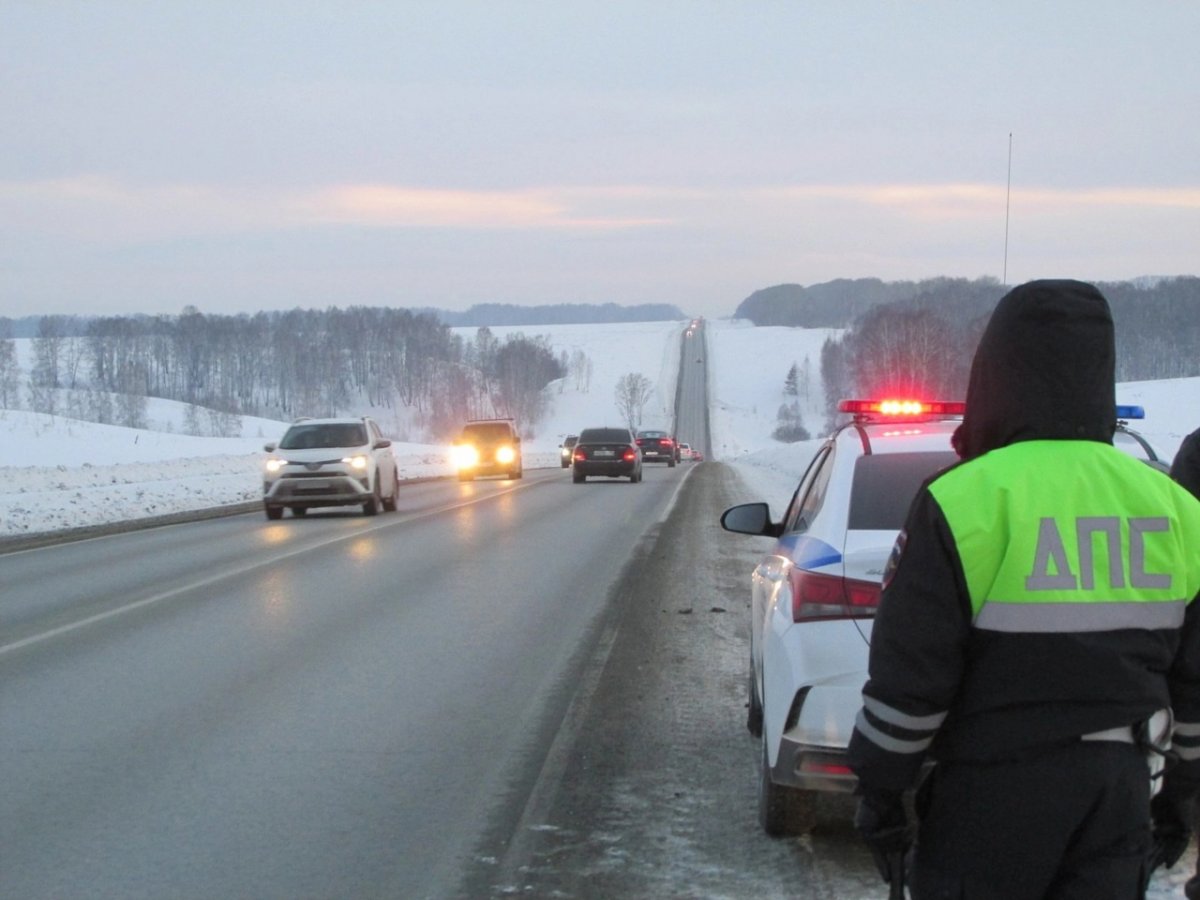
x=492 y=314
x=835 y=304
x=489 y=314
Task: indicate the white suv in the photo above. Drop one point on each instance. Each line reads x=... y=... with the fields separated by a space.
x=330 y=462
x=814 y=595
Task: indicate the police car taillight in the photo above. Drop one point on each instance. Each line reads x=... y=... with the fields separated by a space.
x=902 y=408
x=816 y=596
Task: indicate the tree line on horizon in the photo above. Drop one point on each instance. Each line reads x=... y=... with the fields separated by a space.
x=912 y=336
x=919 y=337
x=282 y=365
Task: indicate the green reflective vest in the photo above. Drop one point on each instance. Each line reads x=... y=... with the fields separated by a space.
x=1071 y=536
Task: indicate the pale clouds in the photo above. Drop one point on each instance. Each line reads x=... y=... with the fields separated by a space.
x=106 y=209
x=690 y=151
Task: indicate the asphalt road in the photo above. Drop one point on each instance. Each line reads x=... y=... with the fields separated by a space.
x=332 y=706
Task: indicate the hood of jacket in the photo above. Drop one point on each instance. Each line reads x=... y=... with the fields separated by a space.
x=1045 y=369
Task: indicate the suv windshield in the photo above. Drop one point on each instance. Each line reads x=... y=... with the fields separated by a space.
x=490 y=431
x=885 y=484
x=313 y=437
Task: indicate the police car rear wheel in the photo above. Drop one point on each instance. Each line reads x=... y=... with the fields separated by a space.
x=783 y=811
x=754 y=713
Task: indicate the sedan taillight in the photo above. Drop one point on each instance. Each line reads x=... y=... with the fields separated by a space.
x=581 y=454
x=832 y=597
x=629 y=455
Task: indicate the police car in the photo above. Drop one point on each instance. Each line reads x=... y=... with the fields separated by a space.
x=814 y=595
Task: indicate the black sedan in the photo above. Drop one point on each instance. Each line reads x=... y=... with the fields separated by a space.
x=658 y=446
x=611 y=452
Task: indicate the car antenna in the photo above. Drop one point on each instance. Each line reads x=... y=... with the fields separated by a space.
x=1007 y=198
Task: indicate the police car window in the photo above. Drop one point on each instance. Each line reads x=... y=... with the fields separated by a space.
x=811 y=492
x=885 y=484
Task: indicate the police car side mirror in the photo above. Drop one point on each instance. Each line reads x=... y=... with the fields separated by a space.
x=750 y=518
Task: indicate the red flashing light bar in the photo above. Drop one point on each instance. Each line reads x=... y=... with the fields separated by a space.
x=903 y=408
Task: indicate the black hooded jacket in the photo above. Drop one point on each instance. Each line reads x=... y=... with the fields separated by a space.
x=1010 y=620
x=1186 y=467
x=1044 y=369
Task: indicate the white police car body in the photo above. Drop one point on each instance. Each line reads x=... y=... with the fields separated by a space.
x=815 y=594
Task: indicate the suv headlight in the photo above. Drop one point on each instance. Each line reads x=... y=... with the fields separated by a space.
x=465 y=456
x=360 y=461
x=274 y=464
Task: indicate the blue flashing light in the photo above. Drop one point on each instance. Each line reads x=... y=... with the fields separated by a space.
x=1130 y=412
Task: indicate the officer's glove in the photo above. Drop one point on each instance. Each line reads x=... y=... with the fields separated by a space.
x=883 y=824
x=1170 y=825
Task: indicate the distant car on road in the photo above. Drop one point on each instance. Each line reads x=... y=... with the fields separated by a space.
x=567 y=448
x=488 y=447
x=658 y=446
x=330 y=462
x=685 y=452
x=611 y=452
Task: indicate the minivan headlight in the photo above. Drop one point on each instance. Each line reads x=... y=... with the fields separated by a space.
x=465 y=456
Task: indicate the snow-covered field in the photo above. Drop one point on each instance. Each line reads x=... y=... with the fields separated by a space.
x=58 y=473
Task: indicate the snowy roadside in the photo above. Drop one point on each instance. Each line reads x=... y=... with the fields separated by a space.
x=40 y=499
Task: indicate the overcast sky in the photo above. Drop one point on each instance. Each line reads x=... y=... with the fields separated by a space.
x=246 y=156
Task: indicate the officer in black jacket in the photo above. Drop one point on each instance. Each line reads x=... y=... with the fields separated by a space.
x=1186 y=466
x=1036 y=629
x=1186 y=470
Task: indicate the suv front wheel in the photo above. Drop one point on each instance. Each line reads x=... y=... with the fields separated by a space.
x=371 y=506
x=390 y=502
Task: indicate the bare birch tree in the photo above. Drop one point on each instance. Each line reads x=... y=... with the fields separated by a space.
x=632 y=393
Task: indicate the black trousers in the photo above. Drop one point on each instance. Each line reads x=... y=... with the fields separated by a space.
x=1072 y=823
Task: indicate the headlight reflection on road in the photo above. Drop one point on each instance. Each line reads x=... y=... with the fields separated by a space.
x=276 y=535
x=275 y=594
x=363 y=549
x=466 y=525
